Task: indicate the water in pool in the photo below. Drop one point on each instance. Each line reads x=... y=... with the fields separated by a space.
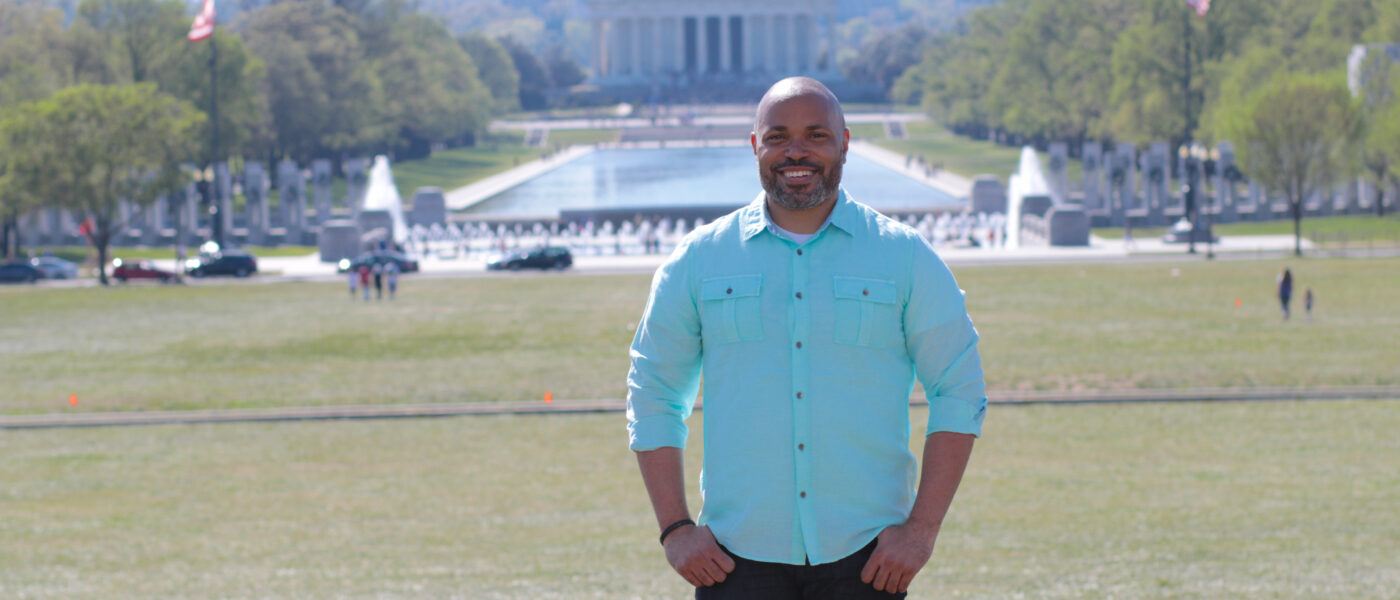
x=690 y=176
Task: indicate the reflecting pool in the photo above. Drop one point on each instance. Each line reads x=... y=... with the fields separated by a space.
x=615 y=178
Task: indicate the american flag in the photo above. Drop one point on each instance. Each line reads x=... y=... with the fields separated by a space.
x=203 y=25
x=1201 y=6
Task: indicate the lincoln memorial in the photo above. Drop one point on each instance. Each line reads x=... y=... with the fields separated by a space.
x=681 y=43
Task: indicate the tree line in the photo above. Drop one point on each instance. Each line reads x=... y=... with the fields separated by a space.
x=1270 y=76
x=107 y=105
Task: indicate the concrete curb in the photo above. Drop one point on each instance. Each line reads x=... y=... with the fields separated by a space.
x=403 y=411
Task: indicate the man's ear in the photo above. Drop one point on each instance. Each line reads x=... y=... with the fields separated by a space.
x=753 y=141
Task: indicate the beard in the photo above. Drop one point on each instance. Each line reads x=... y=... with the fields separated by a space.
x=812 y=197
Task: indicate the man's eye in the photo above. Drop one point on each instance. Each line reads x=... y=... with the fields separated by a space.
x=773 y=138
x=818 y=135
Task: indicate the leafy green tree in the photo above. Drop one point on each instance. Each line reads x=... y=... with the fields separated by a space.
x=1296 y=136
x=1057 y=67
x=438 y=94
x=321 y=94
x=884 y=57
x=535 y=82
x=496 y=69
x=564 y=71
x=957 y=75
x=88 y=147
x=147 y=41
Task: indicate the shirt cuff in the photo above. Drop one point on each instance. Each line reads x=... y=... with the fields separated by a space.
x=956 y=415
x=660 y=431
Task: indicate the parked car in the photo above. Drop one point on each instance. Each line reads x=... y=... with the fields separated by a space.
x=546 y=257
x=18 y=272
x=53 y=267
x=126 y=270
x=224 y=262
x=379 y=257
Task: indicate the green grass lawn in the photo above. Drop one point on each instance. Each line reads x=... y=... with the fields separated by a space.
x=1338 y=231
x=454 y=168
x=1134 y=325
x=1228 y=500
x=578 y=137
x=955 y=153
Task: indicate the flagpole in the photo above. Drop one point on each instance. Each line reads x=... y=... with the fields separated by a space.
x=216 y=226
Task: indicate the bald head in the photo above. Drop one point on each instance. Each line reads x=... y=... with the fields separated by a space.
x=796 y=87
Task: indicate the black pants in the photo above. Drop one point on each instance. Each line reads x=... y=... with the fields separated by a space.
x=753 y=580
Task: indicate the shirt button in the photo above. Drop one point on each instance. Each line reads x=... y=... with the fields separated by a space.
x=803 y=494
x=865 y=292
x=799 y=395
x=801 y=446
x=729 y=291
x=799 y=295
x=799 y=252
x=799 y=345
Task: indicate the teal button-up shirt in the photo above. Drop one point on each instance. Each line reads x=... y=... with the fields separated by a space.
x=809 y=354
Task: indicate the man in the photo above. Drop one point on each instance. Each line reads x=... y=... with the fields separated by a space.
x=810 y=316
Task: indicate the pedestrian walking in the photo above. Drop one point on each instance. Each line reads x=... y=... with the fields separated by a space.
x=378 y=281
x=391 y=272
x=809 y=315
x=1308 y=302
x=364 y=280
x=1285 y=290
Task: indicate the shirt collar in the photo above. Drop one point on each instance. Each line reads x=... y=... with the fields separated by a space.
x=753 y=219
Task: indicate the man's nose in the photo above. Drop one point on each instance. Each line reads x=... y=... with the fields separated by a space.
x=796 y=149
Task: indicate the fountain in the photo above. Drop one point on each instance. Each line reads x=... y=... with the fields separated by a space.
x=383 y=196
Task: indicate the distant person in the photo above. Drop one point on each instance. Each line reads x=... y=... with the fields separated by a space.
x=1285 y=290
x=378 y=281
x=810 y=316
x=354 y=277
x=364 y=280
x=391 y=272
x=1308 y=302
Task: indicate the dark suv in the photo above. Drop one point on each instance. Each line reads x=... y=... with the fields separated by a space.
x=549 y=257
x=227 y=262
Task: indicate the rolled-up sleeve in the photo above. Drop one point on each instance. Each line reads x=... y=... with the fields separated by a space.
x=942 y=341
x=665 y=374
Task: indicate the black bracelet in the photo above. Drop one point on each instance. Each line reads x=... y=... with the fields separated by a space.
x=672 y=527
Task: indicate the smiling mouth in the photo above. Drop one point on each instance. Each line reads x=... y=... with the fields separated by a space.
x=798 y=175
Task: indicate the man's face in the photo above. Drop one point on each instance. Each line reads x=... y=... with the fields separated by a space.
x=801 y=145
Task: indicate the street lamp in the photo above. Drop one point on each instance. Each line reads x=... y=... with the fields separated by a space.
x=1193 y=156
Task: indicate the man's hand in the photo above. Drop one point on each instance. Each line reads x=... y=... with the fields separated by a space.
x=694 y=553
x=901 y=552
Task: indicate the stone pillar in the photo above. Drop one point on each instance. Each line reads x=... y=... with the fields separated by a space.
x=750 y=58
x=1224 y=187
x=802 y=42
x=187 y=217
x=152 y=221
x=255 y=186
x=600 y=57
x=291 y=201
x=321 y=189
x=1157 y=182
x=356 y=182
x=1059 y=165
x=724 y=36
x=780 y=45
x=634 y=47
x=1091 y=156
x=831 y=44
x=1123 y=177
x=702 y=47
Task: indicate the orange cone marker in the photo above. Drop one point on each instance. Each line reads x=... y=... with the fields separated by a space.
x=72 y=399
x=1238 y=303
x=549 y=397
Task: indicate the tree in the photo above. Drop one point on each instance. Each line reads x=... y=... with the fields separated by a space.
x=496 y=69
x=564 y=71
x=436 y=94
x=321 y=94
x=1296 y=137
x=535 y=82
x=886 y=56
x=89 y=147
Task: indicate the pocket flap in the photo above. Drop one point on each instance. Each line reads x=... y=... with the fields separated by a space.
x=733 y=286
x=869 y=290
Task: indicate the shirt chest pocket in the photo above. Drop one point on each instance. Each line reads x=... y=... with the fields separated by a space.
x=731 y=310
x=866 y=312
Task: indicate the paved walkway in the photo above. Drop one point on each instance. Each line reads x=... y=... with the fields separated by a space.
x=396 y=411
